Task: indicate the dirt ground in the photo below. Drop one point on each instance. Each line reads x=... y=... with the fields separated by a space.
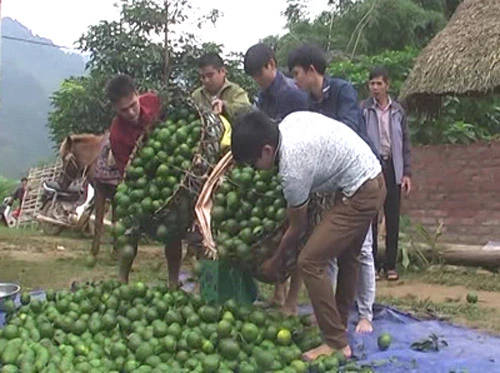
x=42 y=262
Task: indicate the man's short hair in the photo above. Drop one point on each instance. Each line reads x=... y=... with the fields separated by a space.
x=211 y=59
x=306 y=55
x=119 y=87
x=24 y=179
x=252 y=130
x=379 y=72
x=257 y=57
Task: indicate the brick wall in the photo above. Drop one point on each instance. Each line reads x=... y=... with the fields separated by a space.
x=459 y=184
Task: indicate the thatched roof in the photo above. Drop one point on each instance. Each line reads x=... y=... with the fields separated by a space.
x=464 y=58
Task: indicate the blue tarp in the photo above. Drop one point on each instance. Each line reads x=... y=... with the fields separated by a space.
x=468 y=351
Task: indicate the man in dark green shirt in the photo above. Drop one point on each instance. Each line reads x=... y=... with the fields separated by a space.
x=217 y=92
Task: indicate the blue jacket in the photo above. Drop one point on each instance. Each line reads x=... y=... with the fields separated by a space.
x=399 y=132
x=282 y=98
x=340 y=102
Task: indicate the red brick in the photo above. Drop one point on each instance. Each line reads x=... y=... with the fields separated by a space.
x=461 y=221
x=460 y=183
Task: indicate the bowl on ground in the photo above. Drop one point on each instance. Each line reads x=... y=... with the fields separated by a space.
x=8 y=291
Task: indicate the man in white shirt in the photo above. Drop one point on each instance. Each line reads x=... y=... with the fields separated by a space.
x=314 y=153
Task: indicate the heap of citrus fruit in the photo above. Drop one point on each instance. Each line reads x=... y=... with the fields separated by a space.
x=156 y=174
x=109 y=327
x=248 y=207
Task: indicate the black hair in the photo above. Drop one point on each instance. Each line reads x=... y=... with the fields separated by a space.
x=24 y=179
x=252 y=130
x=257 y=57
x=210 y=59
x=306 y=55
x=119 y=87
x=379 y=72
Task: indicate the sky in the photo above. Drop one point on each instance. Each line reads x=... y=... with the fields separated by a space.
x=243 y=22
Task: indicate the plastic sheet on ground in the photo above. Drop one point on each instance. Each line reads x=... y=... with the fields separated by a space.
x=468 y=351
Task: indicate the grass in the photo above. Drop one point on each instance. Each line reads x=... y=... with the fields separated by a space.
x=37 y=261
x=471 y=278
x=472 y=315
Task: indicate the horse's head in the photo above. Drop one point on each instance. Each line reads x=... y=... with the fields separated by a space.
x=71 y=168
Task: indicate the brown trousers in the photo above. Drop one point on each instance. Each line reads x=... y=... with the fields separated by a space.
x=340 y=235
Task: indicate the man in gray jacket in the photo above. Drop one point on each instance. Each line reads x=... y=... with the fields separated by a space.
x=387 y=127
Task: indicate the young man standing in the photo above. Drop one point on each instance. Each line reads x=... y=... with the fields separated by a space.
x=135 y=115
x=314 y=153
x=21 y=191
x=337 y=99
x=333 y=97
x=278 y=97
x=387 y=127
x=217 y=92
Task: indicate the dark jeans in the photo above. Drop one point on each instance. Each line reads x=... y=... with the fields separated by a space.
x=392 y=206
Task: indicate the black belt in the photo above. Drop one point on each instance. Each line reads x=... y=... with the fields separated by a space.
x=385 y=158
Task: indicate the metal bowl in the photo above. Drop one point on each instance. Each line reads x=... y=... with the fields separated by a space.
x=8 y=291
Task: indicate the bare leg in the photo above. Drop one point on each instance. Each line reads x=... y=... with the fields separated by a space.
x=113 y=220
x=173 y=254
x=291 y=302
x=127 y=255
x=100 y=200
x=279 y=294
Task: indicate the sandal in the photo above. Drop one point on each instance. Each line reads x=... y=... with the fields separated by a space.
x=392 y=275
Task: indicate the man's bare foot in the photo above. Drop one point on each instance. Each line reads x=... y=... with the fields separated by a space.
x=364 y=326
x=324 y=349
x=279 y=296
x=273 y=303
x=289 y=310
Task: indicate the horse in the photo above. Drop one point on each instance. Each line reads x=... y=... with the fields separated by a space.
x=79 y=156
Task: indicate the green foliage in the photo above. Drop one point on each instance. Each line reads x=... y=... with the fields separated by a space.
x=80 y=106
x=398 y=63
x=7 y=187
x=299 y=31
x=135 y=45
x=366 y=27
x=415 y=239
x=461 y=120
x=376 y=25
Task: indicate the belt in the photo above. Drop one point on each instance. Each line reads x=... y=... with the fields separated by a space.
x=385 y=158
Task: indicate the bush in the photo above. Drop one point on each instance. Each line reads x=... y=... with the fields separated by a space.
x=7 y=187
x=398 y=63
x=461 y=119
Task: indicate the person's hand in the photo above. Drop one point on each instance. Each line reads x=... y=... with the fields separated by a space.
x=217 y=106
x=270 y=268
x=406 y=184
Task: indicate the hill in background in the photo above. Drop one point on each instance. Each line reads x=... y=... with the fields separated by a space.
x=29 y=73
